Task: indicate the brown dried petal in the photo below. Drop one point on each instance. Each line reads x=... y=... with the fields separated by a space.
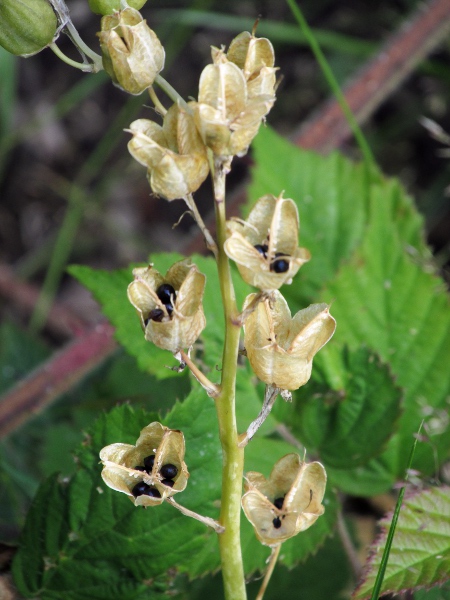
x=302 y=485
x=281 y=349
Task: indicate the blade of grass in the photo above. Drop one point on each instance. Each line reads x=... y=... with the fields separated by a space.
x=385 y=558
x=332 y=82
x=8 y=70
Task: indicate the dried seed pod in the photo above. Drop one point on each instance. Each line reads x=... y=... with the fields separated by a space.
x=181 y=328
x=301 y=484
x=146 y=488
x=274 y=223
x=228 y=113
x=132 y=53
x=280 y=348
x=174 y=154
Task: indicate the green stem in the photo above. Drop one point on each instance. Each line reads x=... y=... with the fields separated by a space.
x=73 y=63
x=171 y=92
x=233 y=456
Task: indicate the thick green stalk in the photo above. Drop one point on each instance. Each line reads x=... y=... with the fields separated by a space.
x=233 y=456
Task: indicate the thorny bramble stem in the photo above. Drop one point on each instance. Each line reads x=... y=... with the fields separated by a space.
x=233 y=456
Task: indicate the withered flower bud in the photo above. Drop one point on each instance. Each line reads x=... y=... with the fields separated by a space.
x=174 y=154
x=256 y=57
x=170 y=307
x=132 y=53
x=227 y=115
x=280 y=348
x=152 y=470
x=265 y=246
x=288 y=502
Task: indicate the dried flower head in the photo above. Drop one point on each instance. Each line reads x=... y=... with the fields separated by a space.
x=170 y=307
x=235 y=94
x=174 y=154
x=152 y=470
x=288 y=502
x=265 y=245
x=280 y=348
x=132 y=53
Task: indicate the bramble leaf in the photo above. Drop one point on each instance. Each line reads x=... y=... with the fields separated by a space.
x=420 y=553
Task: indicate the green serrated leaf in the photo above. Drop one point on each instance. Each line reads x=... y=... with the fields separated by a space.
x=420 y=553
x=350 y=426
x=436 y=593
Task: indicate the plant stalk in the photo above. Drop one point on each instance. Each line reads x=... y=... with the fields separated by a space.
x=233 y=456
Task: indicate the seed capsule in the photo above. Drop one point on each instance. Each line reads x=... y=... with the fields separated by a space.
x=169 y=471
x=149 y=461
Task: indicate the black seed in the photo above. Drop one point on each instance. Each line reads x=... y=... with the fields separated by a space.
x=139 y=489
x=277 y=523
x=153 y=492
x=169 y=308
x=278 y=502
x=281 y=265
x=262 y=249
x=149 y=461
x=156 y=314
x=138 y=468
x=168 y=482
x=165 y=292
x=169 y=471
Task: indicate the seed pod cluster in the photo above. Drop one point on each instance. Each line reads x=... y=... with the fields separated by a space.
x=152 y=470
x=132 y=53
x=170 y=307
x=174 y=154
x=281 y=348
x=265 y=245
x=235 y=94
x=288 y=502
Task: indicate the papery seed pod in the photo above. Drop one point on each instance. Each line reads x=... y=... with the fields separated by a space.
x=179 y=328
x=251 y=54
x=107 y=7
x=273 y=222
x=146 y=488
x=26 y=26
x=132 y=53
x=280 y=348
x=227 y=115
x=288 y=502
x=174 y=154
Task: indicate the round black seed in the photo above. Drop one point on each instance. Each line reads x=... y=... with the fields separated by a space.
x=169 y=308
x=280 y=265
x=149 y=461
x=139 y=468
x=140 y=489
x=262 y=249
x=153 y=492
x=169 y=471
x=156 y=314
x=168 y=482
x=277 y=523
x=278 y=502
x=165 y=292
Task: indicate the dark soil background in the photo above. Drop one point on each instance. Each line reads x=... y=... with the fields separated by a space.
x=119 y=221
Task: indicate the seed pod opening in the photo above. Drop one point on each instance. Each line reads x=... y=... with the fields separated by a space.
x=272 y=226
x=302 y=486
x=281 y=348
x=180 y=326
x=119 y=461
